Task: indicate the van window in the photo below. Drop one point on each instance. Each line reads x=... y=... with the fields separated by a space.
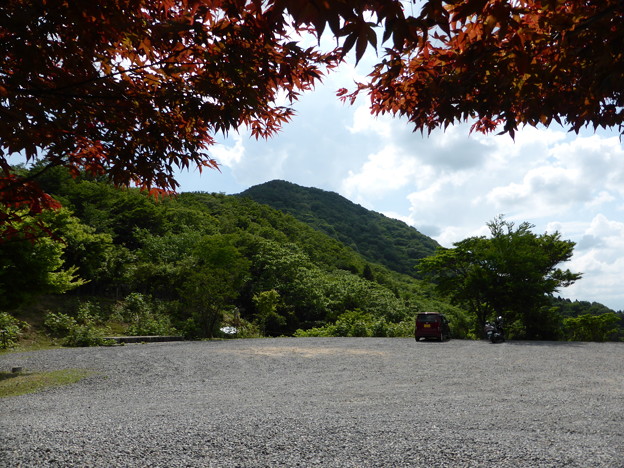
x=428 y=318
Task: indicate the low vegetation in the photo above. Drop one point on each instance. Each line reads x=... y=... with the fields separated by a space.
x=20 y=383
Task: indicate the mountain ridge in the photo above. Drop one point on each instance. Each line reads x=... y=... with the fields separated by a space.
x=378 y=238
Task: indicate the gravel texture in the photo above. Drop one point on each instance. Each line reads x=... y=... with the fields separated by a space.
x=326 y=402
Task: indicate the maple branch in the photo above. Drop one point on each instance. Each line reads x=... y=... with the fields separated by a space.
x=30 y=178
x=598 y=16
x=164 y=60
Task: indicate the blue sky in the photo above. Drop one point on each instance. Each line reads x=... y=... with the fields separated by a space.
x=449 y=184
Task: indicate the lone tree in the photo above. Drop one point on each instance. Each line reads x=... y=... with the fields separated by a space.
x=134 y=90
x=512 y=274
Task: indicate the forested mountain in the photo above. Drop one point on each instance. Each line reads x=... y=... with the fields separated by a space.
x=376 y=237
x=197 y=261
x=118 y=261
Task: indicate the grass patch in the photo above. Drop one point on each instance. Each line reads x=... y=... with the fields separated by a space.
x=38 y=343
x=13 y=384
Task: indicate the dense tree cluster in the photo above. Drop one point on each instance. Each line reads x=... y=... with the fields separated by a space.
x=202 y=260
x=132 y=91
x=377 y=238
x=512 y=274
x=195 y=263
x=589 y=321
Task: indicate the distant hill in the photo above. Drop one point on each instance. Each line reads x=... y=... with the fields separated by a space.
x=376 y=237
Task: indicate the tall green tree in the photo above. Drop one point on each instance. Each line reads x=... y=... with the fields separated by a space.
x=29 y=269
x=266 y=303
x=512 y=274
x=212 y=279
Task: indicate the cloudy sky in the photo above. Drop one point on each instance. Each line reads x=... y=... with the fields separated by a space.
x=447 y=185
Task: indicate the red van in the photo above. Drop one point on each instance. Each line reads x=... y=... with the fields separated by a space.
x=432 y=325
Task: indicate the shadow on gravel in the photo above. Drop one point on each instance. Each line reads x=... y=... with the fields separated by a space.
x=8 y=375
x=563 y=344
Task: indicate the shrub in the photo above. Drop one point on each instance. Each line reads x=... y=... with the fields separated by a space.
x=401 y=330
x=144 y=315
x=59 y=324
x=80 y=331
x=380 y=328
x=359 y=324
x=10 y=330
x=89 y=312
x=86 y=335
x=152 y=324
x=360 y=328
x=132 y=307
x=587 y=327
x=327 y=330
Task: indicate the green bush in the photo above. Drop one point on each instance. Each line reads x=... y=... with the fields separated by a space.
x=10 y=330
x=359 y=324
x=587 y=327
x=380 y=328
x=248 y=330
x=132 y=307
x=80 y=331
x=87 y=335
x=89 y=312
x=59 y=324
x=152 y=324
x=327 y=330
x=403 y=329
x=144 y=316
x=360 y=329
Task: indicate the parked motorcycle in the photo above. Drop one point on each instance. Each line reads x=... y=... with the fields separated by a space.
x=494 y=331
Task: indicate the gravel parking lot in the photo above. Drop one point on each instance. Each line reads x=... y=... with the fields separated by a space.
x=326 y=402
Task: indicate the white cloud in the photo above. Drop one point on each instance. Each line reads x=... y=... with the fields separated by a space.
x=365 y=122
x=452 y=150
x=543 y=191
x=232 y=154
x=584 y=171
x=600 y=260
x=605 y=228
x=450 y=184
x=600 y=161
x=385 y=171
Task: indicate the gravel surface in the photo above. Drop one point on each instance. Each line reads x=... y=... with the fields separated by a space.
x=326 y=402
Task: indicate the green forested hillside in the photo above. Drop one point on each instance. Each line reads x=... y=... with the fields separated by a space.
x=376 y=237
x=194 y=263
x=116 y=261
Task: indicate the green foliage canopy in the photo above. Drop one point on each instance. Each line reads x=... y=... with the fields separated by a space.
x=29 y=269
x=511 y=274
x=589 y=327
x=196 y=261
x=378 y=239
